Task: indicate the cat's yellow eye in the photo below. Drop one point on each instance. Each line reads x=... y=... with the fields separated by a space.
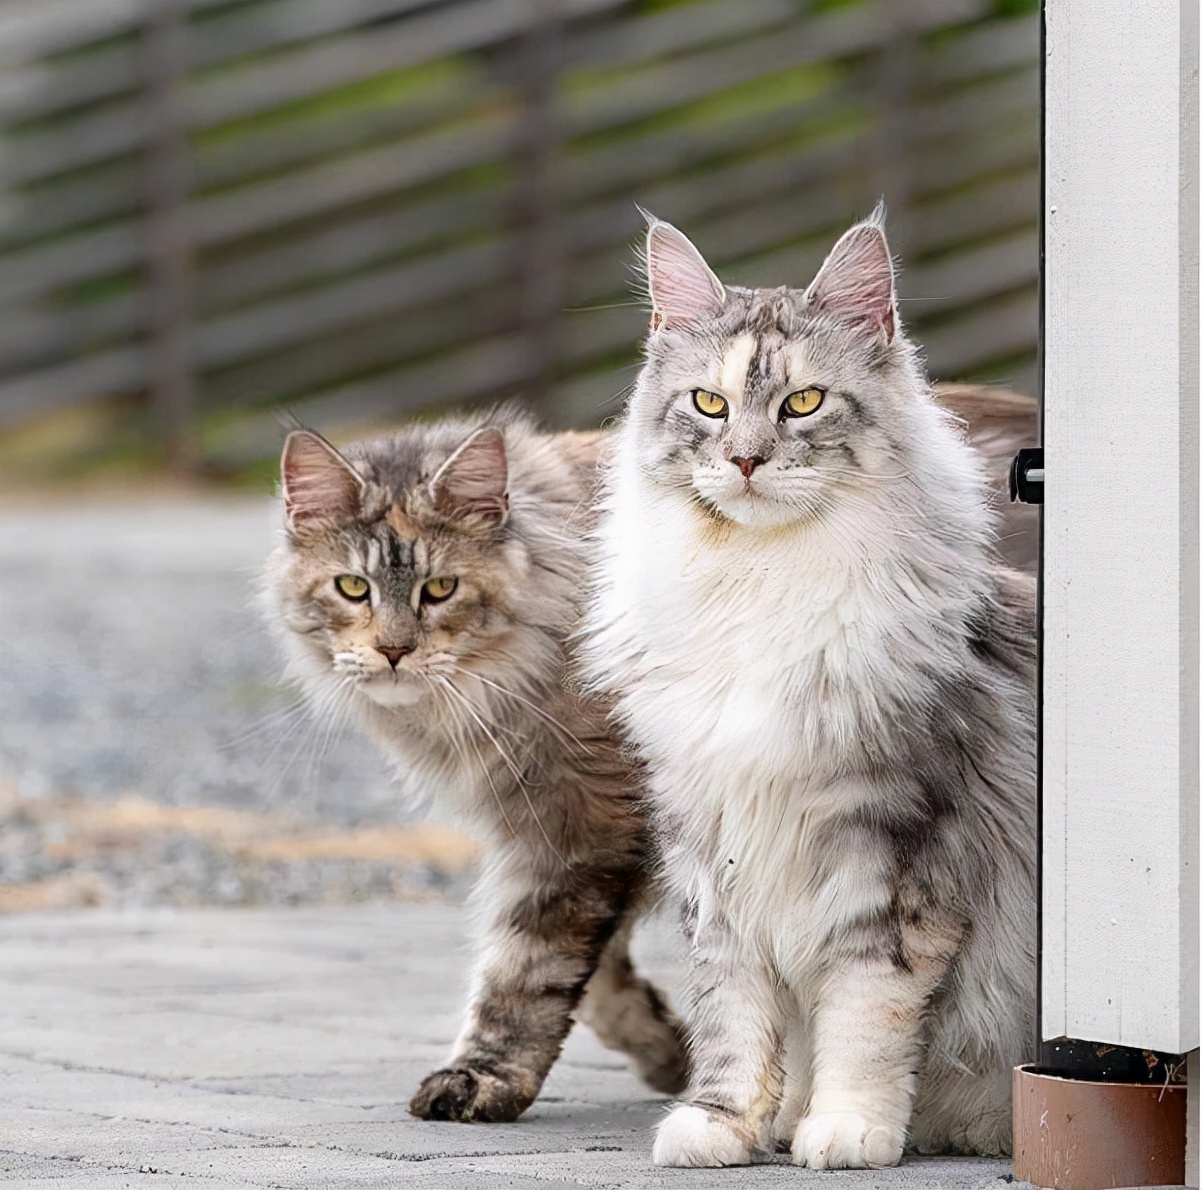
x=710 y=404
x=438 y=589
x=802 y=403
x=352 y=586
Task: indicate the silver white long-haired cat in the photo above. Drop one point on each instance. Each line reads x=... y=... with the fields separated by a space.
x=813 y=644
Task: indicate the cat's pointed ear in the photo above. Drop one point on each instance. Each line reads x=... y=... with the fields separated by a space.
x=474 y=481
x=682 y=286
x=320 y=486
x=856 y=282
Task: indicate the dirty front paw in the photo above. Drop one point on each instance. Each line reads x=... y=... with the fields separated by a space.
x=693 y=1137
x=847 y=1140
x=465 y=1095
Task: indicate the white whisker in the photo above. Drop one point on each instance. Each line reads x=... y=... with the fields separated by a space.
x=550 y=719
x=509 y=762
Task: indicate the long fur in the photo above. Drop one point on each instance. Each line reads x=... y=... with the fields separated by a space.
x=830 y=676
x=476 y=711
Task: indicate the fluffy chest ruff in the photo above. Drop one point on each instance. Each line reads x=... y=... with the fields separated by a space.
x=770 y=678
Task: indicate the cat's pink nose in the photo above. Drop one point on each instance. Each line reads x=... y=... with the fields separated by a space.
x=393 y=653
x=747 y=466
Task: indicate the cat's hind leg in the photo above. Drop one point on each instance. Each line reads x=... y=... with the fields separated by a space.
x=796 y=1095
x=958 y=1111
x=979 y=1032
x=628 y=1013
x=545 y=933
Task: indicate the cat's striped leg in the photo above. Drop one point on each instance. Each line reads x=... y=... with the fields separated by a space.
x=734 y=1023
x=544 y=937
x=629 y=1014
x=867 y=1046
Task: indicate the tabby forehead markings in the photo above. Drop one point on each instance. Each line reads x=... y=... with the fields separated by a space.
x=401 y=523
x=798 y=366
x=735 y=364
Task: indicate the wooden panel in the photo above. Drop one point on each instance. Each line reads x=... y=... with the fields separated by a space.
x=355 y=170
x=1120 y=724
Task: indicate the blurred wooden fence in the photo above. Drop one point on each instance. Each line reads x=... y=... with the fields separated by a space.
x=362 y=208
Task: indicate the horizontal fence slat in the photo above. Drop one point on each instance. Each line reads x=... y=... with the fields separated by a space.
x=356 y=179
x=33 y=28
x=123 y=370
x=342 y=248
x=362 y=348
x=238 y=336
x=122 y=126
x=485 y=367
x=985 y=49
x=844 y=33
x=967 y=344
x=95 y=254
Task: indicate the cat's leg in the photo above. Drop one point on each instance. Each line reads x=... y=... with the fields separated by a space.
x=544 y=936
x=980 y=1030
x=958 y=1111
x=868 y=1044
x=735 y=1032
x=795 y=1097
x=629 y=1014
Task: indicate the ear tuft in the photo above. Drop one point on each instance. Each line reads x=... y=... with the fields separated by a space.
x=320 y=486
x=474 y=482
x=682 y=286
x=855 y=283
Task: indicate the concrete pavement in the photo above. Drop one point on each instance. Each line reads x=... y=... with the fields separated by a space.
x=277 y=1048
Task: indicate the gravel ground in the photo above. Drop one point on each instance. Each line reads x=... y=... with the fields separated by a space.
x=135 y=663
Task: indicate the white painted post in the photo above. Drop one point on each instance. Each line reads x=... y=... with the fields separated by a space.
x=1120 y=686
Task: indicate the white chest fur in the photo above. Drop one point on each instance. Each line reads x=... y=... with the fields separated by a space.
x=750 y=668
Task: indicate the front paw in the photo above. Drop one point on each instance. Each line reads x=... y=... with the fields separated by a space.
x=693 y=1137
x=847 y=1140
x=467 y=1096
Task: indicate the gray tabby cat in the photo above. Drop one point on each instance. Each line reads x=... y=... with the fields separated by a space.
x=830 y=675
x=428 y=584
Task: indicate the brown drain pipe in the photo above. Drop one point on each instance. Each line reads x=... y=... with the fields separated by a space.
x=1073 y=1134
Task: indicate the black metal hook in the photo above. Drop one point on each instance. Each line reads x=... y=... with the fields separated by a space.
x=1026 y=476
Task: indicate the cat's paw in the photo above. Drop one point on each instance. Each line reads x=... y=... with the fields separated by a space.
x=846 y=1140
x=985 y=1135
x=693 y=1137
x=467 y=1096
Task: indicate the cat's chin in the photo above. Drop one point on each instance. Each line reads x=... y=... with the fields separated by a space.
x=753 y=511
x=393 y=691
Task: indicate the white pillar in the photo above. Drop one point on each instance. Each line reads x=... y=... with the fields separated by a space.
x=1120 y=686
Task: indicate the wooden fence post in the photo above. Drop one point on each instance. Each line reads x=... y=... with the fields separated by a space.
x=893 y=80
x=539 y=252
x=169 y=344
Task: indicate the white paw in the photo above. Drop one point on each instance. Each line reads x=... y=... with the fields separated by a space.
x=846 y=1140
x=691 y=1137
